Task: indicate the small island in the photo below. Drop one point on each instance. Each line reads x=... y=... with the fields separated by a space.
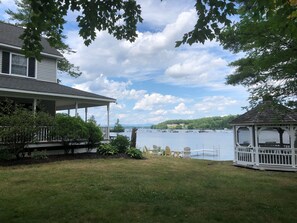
x=216 y=122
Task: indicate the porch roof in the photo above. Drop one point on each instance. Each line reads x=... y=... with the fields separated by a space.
x=65 y=97
x=267 y=113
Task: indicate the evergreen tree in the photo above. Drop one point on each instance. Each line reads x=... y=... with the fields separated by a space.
x=118 y=127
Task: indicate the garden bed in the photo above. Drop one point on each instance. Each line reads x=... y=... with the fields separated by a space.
x=61 y=157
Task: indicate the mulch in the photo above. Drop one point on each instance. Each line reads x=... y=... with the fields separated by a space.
x=62 y=157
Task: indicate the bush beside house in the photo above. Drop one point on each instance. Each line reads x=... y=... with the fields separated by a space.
x=21 y=126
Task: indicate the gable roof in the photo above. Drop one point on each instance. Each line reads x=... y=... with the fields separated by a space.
x=10 y=38
x=267 y=113
x=32 y=86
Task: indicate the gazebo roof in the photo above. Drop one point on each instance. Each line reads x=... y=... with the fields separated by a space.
x=267 y=113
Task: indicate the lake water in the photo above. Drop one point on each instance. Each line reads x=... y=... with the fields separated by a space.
x=219 y=141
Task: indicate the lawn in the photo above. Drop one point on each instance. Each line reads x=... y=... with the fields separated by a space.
x=158 y=189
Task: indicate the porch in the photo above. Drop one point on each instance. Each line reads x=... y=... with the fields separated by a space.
x=51 y=98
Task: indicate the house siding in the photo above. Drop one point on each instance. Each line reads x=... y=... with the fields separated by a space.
x=47 y=70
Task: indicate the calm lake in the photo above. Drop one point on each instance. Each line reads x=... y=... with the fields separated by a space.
x=219 y=141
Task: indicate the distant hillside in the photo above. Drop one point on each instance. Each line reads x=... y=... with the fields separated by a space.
x=216 y=122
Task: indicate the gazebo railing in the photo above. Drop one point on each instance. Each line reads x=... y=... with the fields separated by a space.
x=275 y=156
x=244 y=155
x=266 y=156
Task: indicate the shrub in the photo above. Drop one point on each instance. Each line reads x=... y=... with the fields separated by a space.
x=36 y=154
x=134 y=153
x=6 y=154
x=121 y=143
x=95 y=135
x=19 y=128
x=69 y=129
x=107 y=150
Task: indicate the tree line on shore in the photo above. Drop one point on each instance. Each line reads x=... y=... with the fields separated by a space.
x=215 y=122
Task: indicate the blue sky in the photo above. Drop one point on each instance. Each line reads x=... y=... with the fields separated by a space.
x=151 y=79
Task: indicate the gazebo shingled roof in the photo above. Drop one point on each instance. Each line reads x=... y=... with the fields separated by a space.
x=267 y=113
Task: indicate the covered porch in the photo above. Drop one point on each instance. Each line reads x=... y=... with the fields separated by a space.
x=51 y=98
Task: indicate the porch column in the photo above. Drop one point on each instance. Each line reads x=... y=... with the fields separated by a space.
x=86 y=114
x=292 y=142
x=76 y=107
x=68 y=112
x=34 y=105
x=107 y=134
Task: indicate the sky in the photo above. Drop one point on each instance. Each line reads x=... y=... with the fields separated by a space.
x=152 y=80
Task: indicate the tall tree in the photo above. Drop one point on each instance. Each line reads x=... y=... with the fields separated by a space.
x=118 y=17
x=267 y=34
x=22 y=16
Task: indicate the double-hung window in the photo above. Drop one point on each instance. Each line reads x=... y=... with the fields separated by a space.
x=17 y=64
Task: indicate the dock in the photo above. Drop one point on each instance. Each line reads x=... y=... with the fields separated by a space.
x=205 y=152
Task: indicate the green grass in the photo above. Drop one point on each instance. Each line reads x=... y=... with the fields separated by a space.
x=153 y=190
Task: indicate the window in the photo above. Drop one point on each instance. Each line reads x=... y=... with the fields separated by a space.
x=19 y=64
x=243 y=136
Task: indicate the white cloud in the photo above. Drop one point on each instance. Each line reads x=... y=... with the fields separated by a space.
x=158 y=13
x=104 y=86
x=196 y=69
x=159 y=112
x=153 y=56
x=181 y=109
x=214 y=103
x=155 y=101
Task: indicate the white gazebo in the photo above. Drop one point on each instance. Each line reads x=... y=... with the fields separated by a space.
x=265 y=138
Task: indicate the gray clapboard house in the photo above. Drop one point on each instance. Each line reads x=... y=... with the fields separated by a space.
x=34 y=83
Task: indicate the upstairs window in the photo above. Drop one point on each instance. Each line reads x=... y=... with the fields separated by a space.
x=17 y=64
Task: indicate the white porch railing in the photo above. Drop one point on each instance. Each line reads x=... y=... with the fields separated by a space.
x=266 y=156
x=44 y=135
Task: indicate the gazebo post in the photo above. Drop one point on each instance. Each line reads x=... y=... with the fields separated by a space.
x=252 y=141
x=235 y=140
x=256 y=146
x=292 y=136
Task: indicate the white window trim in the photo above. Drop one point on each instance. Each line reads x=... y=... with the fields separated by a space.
x=10 y=64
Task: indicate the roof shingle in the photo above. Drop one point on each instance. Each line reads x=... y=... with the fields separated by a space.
x=32 y=85
x=12 y=34
x=267 y=113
